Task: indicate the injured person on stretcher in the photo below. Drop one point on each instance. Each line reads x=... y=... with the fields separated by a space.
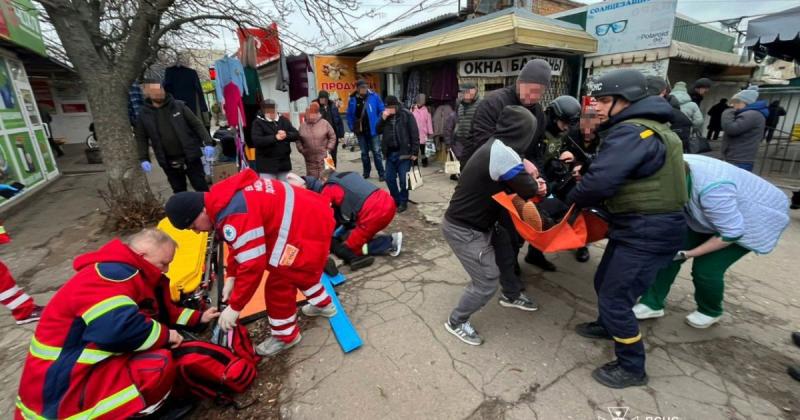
x=540 y=213
x=102 y=348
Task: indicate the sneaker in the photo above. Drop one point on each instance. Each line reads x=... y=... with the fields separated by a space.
x=522 y=303
x=796 y=338
x=272 y=346
x=698 y=320
x=538 y=259
x=363 y=261
x=615 y=376
x=397 y=243
x=794 y=372
x=327 y=312
x=593 y=330
x=582 y=254
x=465 y=333
x=33 y=317
x=643 y=311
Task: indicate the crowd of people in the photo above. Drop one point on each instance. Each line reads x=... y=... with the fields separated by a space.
x=623 y=157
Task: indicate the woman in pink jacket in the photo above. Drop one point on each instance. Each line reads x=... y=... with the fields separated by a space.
x=424 y=123
x=317 y=139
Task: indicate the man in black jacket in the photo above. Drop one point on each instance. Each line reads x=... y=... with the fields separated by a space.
x=680 y=123
x=272 y=136
x=715 y=122
x=400 y=144
x=639 y=176
x=472 y=214
x=330 y=113
x=177 y=137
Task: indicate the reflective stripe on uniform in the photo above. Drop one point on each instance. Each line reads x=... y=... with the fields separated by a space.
x=250 y=254
x=318 y=299
x=155 y=332
x=14 y=304
x=248 y=236
x=104 y=406
x=628 y=340
x=285 y=332
x=185 y=316
x=281 y=322
x=286 y=224
x=313 y=289
x=42 y=351
x=104 y=306
x=10 y=292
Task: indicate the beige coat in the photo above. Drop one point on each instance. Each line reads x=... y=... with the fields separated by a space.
x=316 y=140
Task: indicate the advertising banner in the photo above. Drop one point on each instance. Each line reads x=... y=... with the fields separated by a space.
x=10 y=112
x=338 y=76
x=504 y=67
x=631 y=25
x=23 y=150
x=19 y=23
x=650 y=68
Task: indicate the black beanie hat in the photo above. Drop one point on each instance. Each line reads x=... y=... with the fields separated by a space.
x=183 y=207
x=655 y=85
x=515 y=128
x=536 y=71
x=324 y=94
x=391 y=101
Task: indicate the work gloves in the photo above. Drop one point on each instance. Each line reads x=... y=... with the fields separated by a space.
x=228 y=319
x=147 y=167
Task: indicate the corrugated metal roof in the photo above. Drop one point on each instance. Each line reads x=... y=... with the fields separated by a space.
x=497 y=30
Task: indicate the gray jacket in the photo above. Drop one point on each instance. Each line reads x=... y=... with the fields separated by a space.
x=743 y=133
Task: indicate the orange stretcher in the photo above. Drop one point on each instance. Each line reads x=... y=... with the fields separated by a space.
x=586 y=228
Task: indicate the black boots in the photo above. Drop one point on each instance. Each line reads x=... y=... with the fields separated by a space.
x=592 y=330
x=350 y=258
x=582 y=254
x=615 y=376
x=795 y=200
x=535 y=257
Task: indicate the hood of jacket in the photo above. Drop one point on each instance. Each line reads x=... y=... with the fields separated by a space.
x=760 y=106
x=117 y=251
x=148 y=103
x=222 y=192
x=652 y=108
x=682 y=96
x=516 y=127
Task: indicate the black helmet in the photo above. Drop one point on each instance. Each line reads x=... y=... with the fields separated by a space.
x=703 y=82
x=565 y=108
x=655 y=85
x=630 y=85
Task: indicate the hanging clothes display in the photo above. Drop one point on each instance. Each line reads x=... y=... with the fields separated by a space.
x=183 y=84
x=229 y=70
x=252 y=101
x=282 y=81
x=439 y=117
x=298 y=76
x=234 y=109
x=412 y=89
x=444 y=86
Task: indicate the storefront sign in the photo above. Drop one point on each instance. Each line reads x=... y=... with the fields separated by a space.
x=631 y=25
x=337 y=76
x=504 y=67
x=19 y=23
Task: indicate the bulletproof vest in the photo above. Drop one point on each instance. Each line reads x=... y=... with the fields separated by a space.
x=552 y=148
x=356 y=192
x=662 y=192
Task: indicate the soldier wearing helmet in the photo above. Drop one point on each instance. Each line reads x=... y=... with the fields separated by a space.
x=639 y=176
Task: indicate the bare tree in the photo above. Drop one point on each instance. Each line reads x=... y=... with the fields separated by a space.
x=110 y=43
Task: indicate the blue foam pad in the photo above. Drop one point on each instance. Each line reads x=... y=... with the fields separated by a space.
x=343 y=329
x=337 y=279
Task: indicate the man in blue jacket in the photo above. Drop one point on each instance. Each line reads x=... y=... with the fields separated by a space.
x=639 y=176
x=363 y=113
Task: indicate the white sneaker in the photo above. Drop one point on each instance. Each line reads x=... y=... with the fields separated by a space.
x=397 y=243
x=311 y=310
x=272 y=346
x=643 y=311
x=698 y=320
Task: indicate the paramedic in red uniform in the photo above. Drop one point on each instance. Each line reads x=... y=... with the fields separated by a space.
x=95 y=354
x=268 y=225
x=22 y=307
x=364 y=209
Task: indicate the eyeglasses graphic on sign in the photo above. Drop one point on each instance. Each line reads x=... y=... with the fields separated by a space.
x=616 y=27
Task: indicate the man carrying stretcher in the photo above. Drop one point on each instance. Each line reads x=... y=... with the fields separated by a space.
x=271 y=226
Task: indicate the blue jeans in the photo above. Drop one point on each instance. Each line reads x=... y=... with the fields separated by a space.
x=367 y=143
x=396 y=171
x=747 y=166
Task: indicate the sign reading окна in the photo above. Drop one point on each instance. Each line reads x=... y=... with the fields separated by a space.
x=503 y=67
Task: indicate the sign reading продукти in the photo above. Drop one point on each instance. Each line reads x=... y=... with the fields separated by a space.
x=503 y=67
x=631 y=25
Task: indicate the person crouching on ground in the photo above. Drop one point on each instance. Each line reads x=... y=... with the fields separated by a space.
x=95 y=352
x=730 y=213
x=363 y=210
x=639 y=176
x=469 y=220
x=400 y=147
x=268 y=225
x=317 y=140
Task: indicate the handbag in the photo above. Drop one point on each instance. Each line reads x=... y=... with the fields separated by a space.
x=698 y=144
x=414 y=178
x=430 y=148
x=452 y=166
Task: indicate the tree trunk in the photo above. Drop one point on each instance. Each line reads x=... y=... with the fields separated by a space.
x=127 y=183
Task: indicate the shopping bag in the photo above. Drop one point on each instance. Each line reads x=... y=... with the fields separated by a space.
x=329 y=164
x=430 y=148
x=698 y=144
x=452 y=166
x=414 y=178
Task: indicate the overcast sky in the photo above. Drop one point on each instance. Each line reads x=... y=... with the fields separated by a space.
x=701 y=10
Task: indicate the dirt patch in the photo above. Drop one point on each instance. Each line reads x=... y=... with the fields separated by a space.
x=755 y=368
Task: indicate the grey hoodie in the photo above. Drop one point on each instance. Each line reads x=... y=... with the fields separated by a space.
x=688 y=107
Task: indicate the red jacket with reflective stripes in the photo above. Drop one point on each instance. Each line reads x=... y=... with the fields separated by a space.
x=268 y=225
x=94 y=317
